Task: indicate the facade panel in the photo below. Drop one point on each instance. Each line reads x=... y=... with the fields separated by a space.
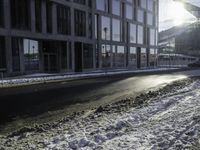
x=78 y=35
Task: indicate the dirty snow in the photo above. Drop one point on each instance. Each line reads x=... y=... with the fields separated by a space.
x=170 y=122
x=166 y=121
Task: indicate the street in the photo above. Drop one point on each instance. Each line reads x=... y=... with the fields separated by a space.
x=71 y=96
x=52 y=104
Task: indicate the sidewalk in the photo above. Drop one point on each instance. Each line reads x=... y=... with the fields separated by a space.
x=47 y=78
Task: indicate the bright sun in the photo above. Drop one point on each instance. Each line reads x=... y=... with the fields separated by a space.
x=177 y=12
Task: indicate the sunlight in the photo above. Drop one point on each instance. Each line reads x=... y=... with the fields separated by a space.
x=177 y=13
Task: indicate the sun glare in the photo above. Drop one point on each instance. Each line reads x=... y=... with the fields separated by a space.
x=177 y=12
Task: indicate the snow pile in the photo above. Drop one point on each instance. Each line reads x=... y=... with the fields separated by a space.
x=170 y=121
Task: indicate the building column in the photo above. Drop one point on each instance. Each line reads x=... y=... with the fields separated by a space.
x=7 y=18
x=41 y=58
x=44 y=17
x=72 y=41
x=8 y=47
x=73 y=55
x=21 y=55
x=32 y=4
x=54 y=18
x=8 y=39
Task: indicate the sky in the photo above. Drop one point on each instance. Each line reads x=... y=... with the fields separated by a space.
x=168 y=12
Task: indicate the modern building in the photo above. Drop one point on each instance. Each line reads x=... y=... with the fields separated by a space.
x=179 y=46
x=77 y=35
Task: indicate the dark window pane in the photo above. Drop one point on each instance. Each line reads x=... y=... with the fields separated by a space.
x=80 y=1
x=1 y=13
x=16 y=44
x=80 y=23
x=38 y=15
x=2 y=53
x=63 y=19
x=20 y=12
x=88 y=56
x=49 y=16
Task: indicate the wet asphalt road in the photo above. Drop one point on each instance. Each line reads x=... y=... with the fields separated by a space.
x=77 y=95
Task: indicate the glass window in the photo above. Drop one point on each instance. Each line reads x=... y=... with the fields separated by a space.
x=1 y=13
x=143 y=4
x=80 y=1
x=152 y=37
x=87 y=56
x=65 y=50
x=143 y=57
x=133 y=57
x=129 y=11
x=105 y=30
x=106 y=56
x=102 y=5
x=38 y=15
x=150 y=5
x=140 y=15
x=2 y=53
x=49 y=16
x=116 y=36
x=80 y=23
x=140 y=36
x=152 y=57
x=130 y=1
x=16 y=44
x=64 y=60
x=120 y=56
x=63 y=19
x=20 y=12
x=133 y=33
x=116 y=7
x=149 y=19
x=31 y=55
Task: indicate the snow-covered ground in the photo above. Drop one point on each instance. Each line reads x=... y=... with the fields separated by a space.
x=43 y=78
x=165 y=119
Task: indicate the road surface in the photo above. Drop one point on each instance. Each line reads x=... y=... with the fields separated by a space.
x=44 y=103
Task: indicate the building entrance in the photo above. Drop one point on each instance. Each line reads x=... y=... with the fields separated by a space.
x=50 y=62
x=50 y=57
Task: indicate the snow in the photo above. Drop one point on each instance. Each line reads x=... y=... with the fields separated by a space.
x=43 y=78
x=170 y=122
x=166 y=121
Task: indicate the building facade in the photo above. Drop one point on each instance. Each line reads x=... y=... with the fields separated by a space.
x=77 y=35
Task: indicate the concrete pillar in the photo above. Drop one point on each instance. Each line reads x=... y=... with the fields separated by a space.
x=8 y=46
x=41 y=61
x=7 y=14
x=54 y=18
x=21 y=55
x=72 y=34
x=72 y=22
x=44 y=18
x=8 y=39
x=73 y=56
x=32 y=4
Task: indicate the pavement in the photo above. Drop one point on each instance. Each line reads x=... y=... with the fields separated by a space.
x=40 y=78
